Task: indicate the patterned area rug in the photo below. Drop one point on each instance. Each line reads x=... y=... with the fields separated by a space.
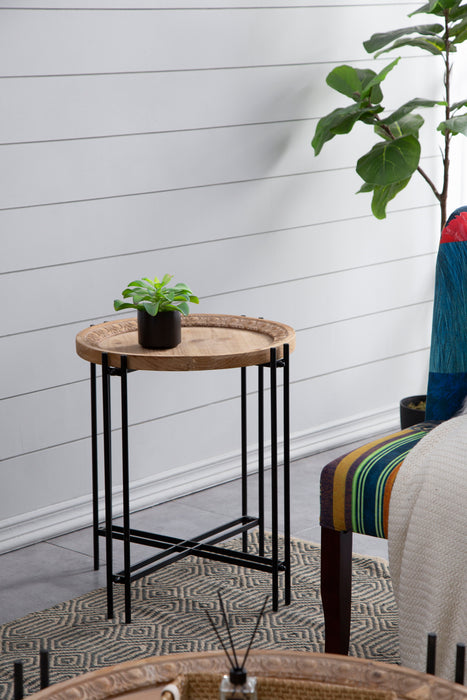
x=168 y=610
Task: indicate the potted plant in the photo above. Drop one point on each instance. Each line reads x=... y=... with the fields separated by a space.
x=412 y=410
x=388 y=167
x=159 y=309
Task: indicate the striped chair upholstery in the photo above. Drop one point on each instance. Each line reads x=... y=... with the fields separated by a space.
x=356 y=487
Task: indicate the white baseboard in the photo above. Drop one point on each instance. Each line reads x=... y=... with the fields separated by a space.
x=58 y=519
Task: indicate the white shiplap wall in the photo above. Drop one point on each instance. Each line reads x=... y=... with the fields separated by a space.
x=151 y=137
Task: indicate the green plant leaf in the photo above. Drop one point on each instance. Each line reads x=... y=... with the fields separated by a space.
x=349 y=81
x=383 y=195
x=339 y=121
x=459 y=32
x=165 y=280
x=193 y=299
x=366 y=187
x=183 y=308
x=379 y=40
x=409 y=124
x=458 y=13
x=407 y=107
x=119 y=305
x=373 y=84
x=182 y=287
x=458 y=105
x=435 y=45
x=151 y=307
x=139 y=295
x=390 y=161
x=456 y=125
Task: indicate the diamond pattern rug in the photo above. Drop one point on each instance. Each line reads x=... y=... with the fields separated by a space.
x=168 y=612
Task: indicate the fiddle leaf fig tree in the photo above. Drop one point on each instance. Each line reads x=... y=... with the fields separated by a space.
x=388 y=167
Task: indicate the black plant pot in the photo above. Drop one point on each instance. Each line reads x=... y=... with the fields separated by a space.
x=159 y=332
x=409 y=414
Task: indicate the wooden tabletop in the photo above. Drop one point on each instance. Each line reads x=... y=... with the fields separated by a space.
x=209 y=341
x=144 y=679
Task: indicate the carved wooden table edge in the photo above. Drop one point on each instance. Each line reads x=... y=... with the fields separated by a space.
x=153 y=672
x=89 y=344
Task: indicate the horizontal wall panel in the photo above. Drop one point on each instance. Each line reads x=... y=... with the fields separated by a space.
x=148 y=163
x=38 y=480
x=362 y=341
x=159 y=447
x=58 y=107
x=311 y=302
x=301 y=303
x=158 y=162
x=333 y=399
x=48 y=42
x=207 y=268
x=131 y=225
x=228 y=5
x=60 y=415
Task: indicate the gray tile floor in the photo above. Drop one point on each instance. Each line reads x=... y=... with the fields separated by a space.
x=39 y=576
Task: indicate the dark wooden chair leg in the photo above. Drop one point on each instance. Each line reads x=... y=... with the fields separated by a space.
x=336 y=588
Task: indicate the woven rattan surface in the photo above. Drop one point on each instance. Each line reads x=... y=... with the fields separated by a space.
x=209 y=341
x=198 y=686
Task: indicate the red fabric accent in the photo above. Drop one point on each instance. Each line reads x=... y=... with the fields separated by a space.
x=456 y=230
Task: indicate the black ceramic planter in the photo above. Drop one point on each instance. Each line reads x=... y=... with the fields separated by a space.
x=159 y=332
x=409 y=414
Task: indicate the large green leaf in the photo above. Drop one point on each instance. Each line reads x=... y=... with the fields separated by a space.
x=339 y=121
x=434 y=45
x=349 y=81
x=458 y=13
x=357 y=83
x=459 y=32
x=379 y=40
x=383 y=195
x=408 y=124
x=390 y=161
x=456 y=125
x=409 y=106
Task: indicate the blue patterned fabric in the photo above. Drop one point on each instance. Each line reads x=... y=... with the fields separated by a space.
x=447 y=381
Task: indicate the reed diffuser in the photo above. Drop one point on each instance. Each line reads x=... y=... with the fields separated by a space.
x=236 y=684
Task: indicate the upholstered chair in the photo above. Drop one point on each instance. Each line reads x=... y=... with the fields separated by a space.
x=356 y=488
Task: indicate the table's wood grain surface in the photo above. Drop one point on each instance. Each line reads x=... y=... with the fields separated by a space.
x=209 y=341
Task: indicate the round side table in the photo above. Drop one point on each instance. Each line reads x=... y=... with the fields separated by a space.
x=209 y=342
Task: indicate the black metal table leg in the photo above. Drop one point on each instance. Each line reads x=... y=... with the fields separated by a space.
x=274 y=484
x=261 y=459
x=95 y=468
x=244 y=454
x=126 y=487
x=44 y=668
x=286 y=403
x=107 y=480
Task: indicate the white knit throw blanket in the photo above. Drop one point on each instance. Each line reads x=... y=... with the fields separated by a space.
x=428 y=546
